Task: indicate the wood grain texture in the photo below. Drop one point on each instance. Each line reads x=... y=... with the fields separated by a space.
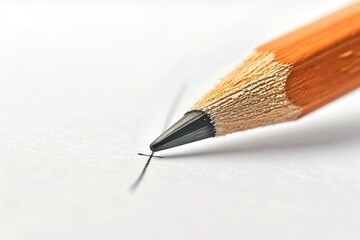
x=253 y=95
x=325 y=58
x=289 y=76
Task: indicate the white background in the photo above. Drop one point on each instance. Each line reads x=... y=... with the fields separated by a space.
x=84 y=86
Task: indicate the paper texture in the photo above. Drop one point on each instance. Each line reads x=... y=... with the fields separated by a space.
x=84 y=87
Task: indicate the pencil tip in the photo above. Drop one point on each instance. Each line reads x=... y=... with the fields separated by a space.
x=193 y=126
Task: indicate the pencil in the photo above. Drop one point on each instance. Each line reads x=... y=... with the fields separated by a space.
x=283 y=80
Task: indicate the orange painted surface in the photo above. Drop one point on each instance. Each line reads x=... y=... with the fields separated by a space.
x=325 y=56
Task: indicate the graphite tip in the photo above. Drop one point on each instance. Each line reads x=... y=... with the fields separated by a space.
x=193 y=126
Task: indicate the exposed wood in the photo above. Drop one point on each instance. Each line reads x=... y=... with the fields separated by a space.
x=253 y=95
x=282 y=81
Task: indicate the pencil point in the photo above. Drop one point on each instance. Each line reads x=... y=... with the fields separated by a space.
x=192 y=127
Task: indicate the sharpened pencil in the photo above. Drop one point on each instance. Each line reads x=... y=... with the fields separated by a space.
x=283 y=80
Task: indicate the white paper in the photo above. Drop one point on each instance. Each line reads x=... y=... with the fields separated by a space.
x=85 y=86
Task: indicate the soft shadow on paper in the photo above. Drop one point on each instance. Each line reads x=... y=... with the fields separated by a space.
x=304 y=137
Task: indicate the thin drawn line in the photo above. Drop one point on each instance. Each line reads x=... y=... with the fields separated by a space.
x=173 y=107
x=138 y=180
x=148 y=155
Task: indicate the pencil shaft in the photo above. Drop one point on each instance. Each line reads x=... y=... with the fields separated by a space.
x=325 y=58
x=283 y=80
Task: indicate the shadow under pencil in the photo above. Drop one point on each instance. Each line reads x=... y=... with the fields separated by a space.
x=314 y=136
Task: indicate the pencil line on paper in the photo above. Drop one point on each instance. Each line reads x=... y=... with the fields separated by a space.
x=142 y=174
x=171 y=112
x=148 y=155
x=174 y=106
